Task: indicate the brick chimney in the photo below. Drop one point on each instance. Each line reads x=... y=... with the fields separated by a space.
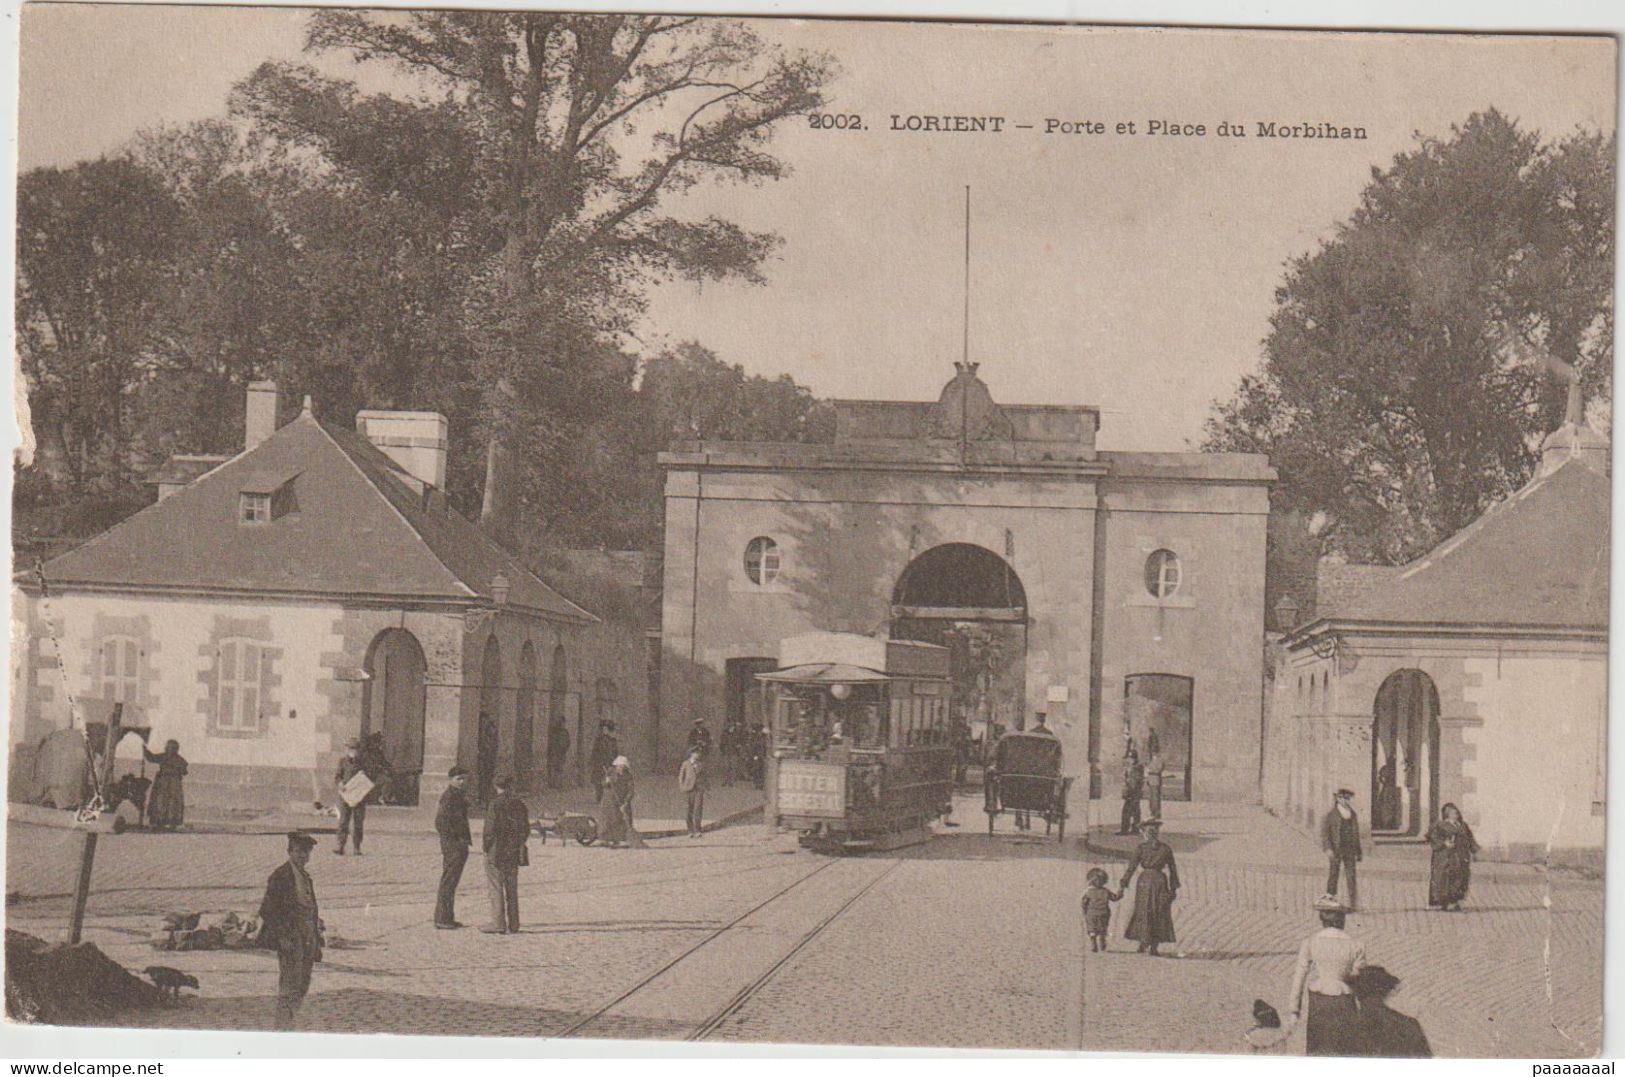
x=259 y=420
x=415 y=440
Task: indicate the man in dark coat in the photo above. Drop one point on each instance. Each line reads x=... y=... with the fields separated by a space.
x=289 y=924
x=451 y=823
x=558 y=753
x=1340 y=840
x=507 y=826
x=1133 y=789
x=1381 y=1032
x=758 y=756
x=604 y=751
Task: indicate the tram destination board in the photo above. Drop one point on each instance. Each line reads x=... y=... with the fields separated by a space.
x=812 y=789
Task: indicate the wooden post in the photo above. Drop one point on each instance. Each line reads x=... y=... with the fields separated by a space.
x=81 y=888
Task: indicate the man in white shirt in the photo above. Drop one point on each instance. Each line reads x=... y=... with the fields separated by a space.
x=1328 y=961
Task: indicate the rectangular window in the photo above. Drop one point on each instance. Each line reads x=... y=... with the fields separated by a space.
x=238 y=670
x=256 y=508
x=120 y=669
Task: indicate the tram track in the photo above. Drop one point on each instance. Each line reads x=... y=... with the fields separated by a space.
x=738 y=999
x=750 y=990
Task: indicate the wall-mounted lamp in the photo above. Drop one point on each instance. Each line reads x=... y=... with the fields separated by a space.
x=1286 y=613
x=841 y=691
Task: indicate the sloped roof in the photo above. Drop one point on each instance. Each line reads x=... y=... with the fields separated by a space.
x=1539 y=559
x=356 y=527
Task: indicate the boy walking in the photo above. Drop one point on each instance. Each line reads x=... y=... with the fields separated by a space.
x=1097 y=909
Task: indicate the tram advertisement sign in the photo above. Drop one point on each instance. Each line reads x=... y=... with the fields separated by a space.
x=816 y=789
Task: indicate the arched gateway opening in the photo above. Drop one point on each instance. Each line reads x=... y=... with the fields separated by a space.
x=1405 y=754
x=970 y=600
x=393 y=704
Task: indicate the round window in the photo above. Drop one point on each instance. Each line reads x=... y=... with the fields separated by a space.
x=761 y=560
x=1162 y=573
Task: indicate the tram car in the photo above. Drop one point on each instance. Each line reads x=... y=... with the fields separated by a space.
x=862 y=740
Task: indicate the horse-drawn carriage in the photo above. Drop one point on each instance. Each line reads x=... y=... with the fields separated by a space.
x=1026 y=780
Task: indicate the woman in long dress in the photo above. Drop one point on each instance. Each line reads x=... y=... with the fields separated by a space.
x=1453 y=850
x=1152 y=922
x=166 y=804
x=615 y=812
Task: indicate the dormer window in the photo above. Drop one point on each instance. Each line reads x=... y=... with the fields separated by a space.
x=266 y=496
x=256 y=508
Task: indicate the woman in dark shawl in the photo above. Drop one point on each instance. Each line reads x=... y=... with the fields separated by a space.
x=1152 y=922
x=1453 y=850
x=615 y=812
x=166 y=804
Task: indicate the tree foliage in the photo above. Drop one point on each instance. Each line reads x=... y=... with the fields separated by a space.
x=1401 y=393
x=478 y=241
x=553 y=150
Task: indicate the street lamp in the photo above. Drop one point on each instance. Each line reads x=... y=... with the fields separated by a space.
x=1286 y=613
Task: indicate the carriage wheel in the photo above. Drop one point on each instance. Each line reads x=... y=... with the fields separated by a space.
x=588 y=832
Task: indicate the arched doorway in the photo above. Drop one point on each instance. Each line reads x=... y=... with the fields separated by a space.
x=489 y=739
x=970 y=600
x=558 y=694
x=1405 y=754
x=1157 y=709
x=524 y=717
x=392 y=703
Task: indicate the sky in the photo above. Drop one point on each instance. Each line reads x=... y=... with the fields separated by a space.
x=1131 y=272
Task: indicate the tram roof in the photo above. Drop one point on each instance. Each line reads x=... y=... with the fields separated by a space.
x=825 y=673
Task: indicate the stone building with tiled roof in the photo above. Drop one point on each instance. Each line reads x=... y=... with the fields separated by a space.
x=1476 y=675
x=310 y=589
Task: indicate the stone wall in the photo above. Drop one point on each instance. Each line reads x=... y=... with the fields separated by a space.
x=845 y=534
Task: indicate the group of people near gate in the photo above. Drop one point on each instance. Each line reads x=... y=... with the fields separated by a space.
x=1342 y=996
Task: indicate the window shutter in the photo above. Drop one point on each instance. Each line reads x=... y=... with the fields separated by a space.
x=225 y=673
x=264 y=684
x=249 y=696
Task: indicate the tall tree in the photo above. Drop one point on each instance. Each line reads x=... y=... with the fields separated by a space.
x=1397 y=396
x=576 y=131
x=95 y=256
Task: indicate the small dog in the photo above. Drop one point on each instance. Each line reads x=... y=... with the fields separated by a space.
x=169 y=981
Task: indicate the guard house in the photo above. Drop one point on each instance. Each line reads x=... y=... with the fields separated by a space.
x=1475 y=675
x=312 y=588
x=1120 y=593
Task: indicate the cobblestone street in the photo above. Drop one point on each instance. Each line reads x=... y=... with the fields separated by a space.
x=967 y=941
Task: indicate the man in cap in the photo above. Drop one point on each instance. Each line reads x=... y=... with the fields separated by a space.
x=507 y=826
x=699 y=736
x=356 y=814
x=1340 y=840
x=451 y=823
x=289 y=925
x=1133 y=789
